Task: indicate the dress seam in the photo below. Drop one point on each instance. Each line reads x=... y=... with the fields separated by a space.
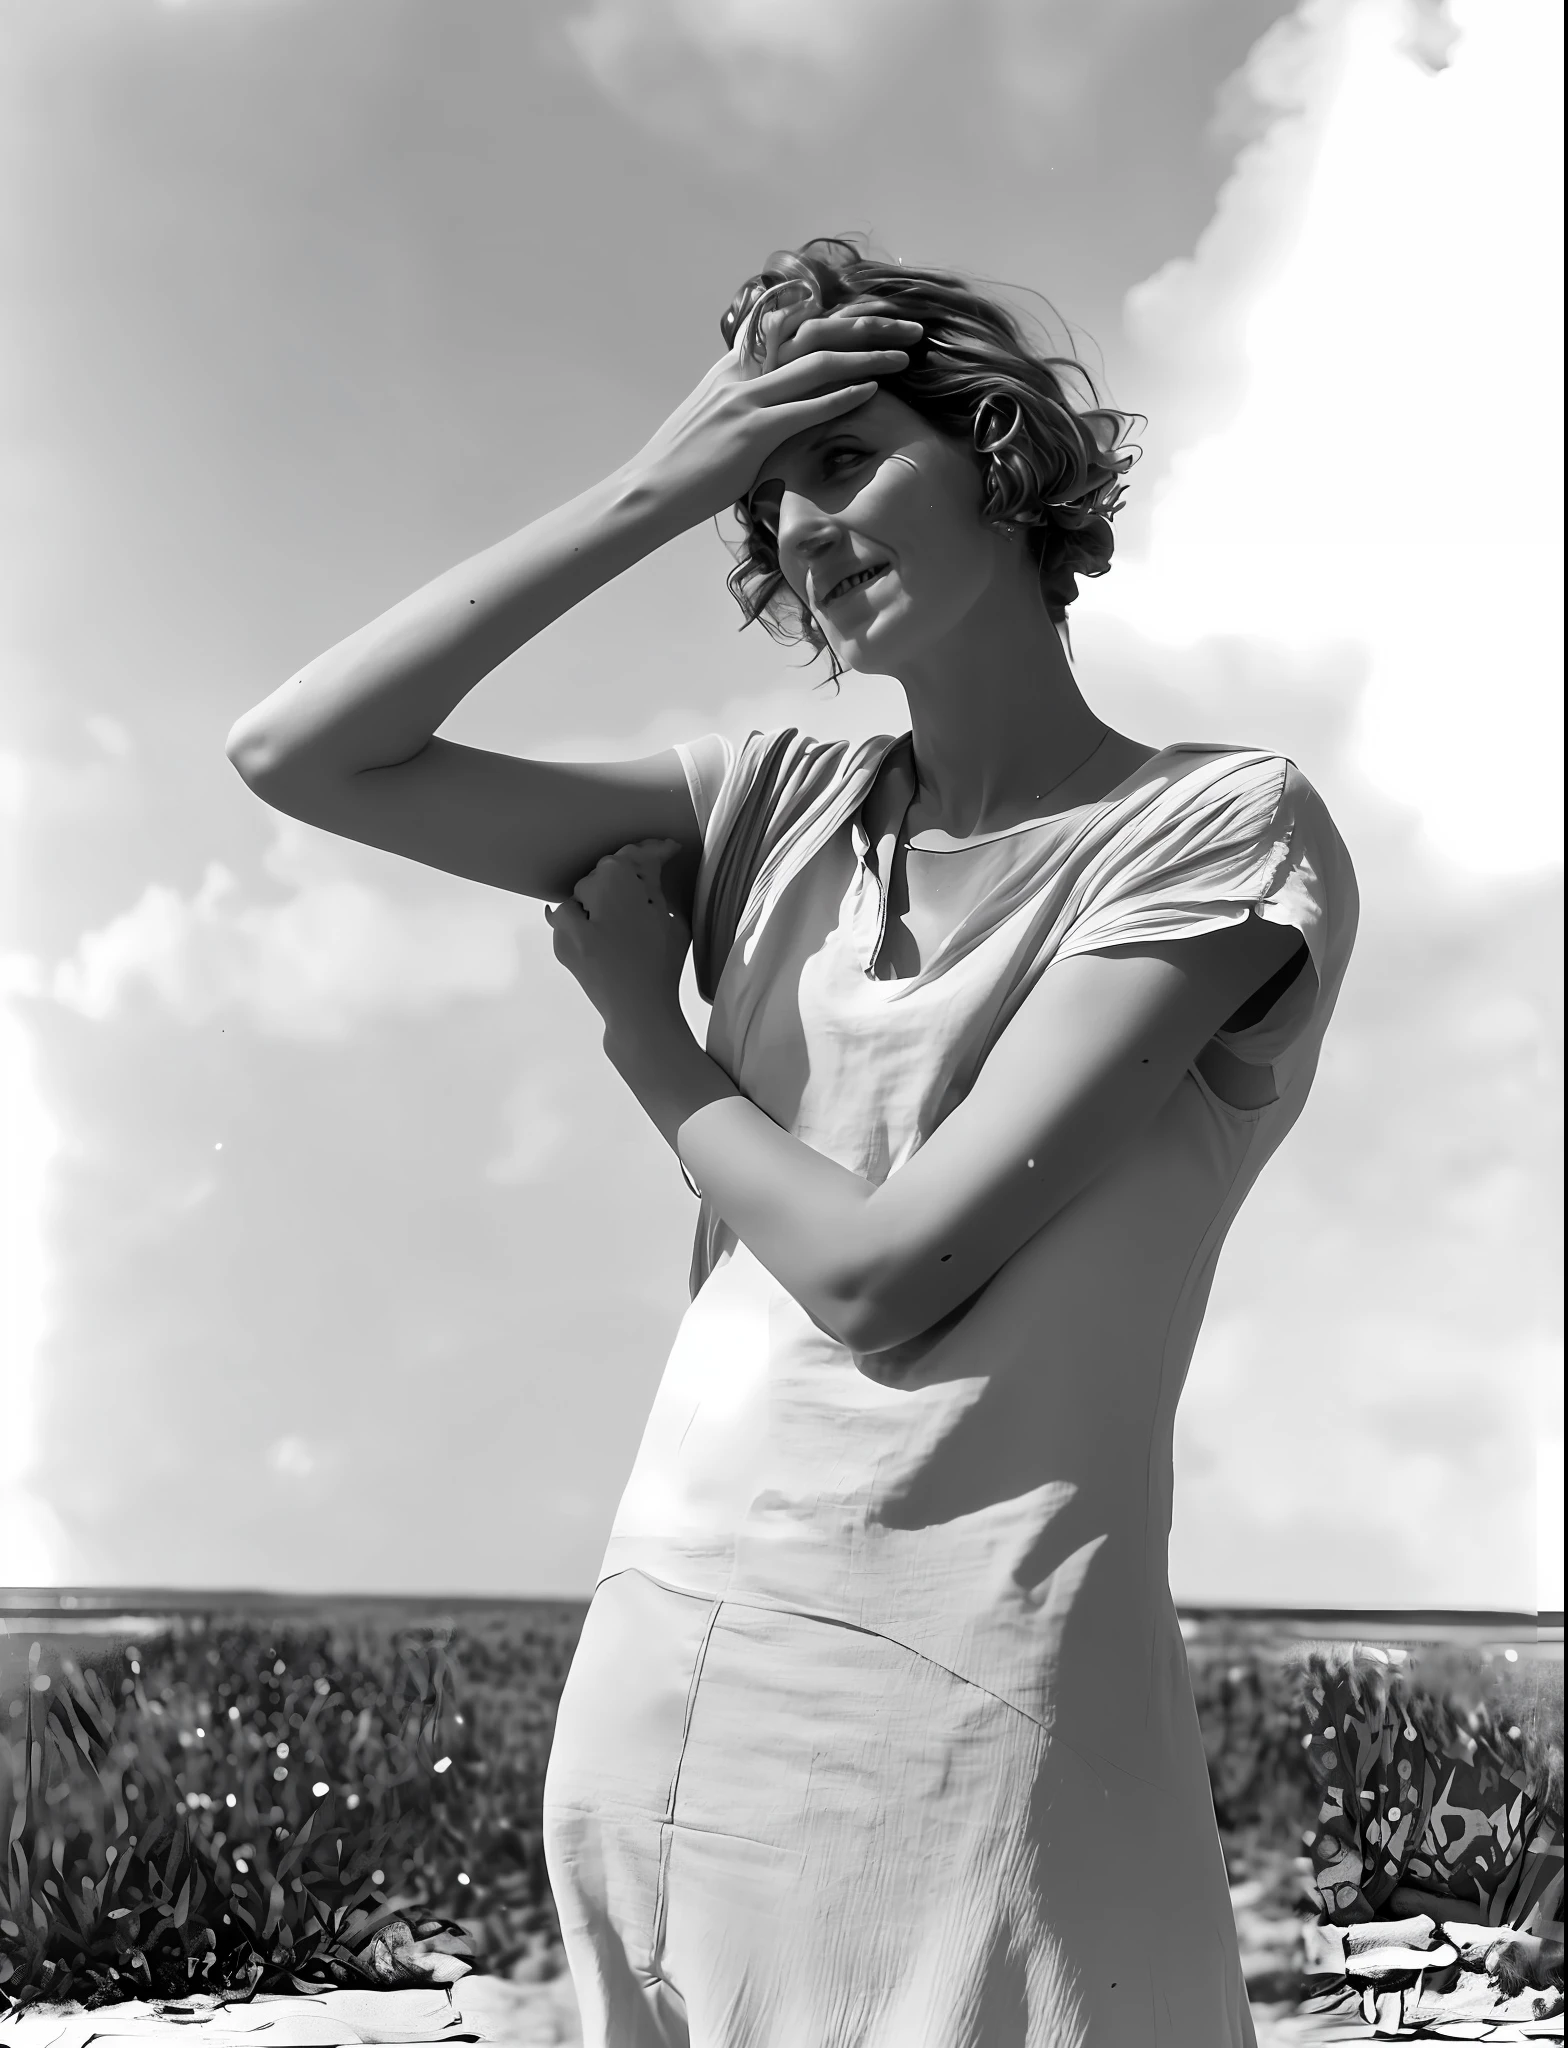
x=667 y=1825
x=731 y=1599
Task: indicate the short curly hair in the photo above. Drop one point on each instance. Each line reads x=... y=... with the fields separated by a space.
x=1051 y=456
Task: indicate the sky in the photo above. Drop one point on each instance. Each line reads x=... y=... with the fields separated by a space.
x=335 y=1255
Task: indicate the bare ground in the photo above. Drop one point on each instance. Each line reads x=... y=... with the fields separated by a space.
x=540 y=2012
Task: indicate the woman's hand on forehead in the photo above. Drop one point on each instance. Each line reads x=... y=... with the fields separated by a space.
x=799 y=329
x=816 y=367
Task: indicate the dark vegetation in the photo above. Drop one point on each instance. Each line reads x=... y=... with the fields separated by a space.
x=1249 y=1694
x=247 y=1805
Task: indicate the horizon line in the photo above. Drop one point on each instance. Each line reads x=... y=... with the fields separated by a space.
x=19 y=1602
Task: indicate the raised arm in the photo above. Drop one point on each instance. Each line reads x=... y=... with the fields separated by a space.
x=349 y=742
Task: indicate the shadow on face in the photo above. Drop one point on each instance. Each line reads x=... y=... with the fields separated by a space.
x=876 y=521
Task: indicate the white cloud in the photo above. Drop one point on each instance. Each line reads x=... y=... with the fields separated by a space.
x=824 y=34
x=777 y=70
x=335 y=952
x=1378 y=290
x=727 y=74
x=1388 y=1466
x=1190 y=317
x=108 y=734
x=38 y=789
x=296 y=1457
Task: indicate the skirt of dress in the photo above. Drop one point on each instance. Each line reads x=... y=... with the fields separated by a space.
x=768 y=1830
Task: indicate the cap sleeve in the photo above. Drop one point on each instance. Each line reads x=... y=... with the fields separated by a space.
x=1243 y=835
x=706 y=762
x=767 y=789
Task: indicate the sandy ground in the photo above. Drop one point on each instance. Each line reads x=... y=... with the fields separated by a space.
x=520 y=2015
x=543 y=2013
x=545 y=2016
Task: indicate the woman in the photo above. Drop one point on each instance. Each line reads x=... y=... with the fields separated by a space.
x=880 y=1730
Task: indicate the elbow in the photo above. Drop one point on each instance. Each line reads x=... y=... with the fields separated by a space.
x=251 y=751
x=855 y=1325
x=900 y=1324
x=279 y=774
x=860 y=1308
x=877 y=1292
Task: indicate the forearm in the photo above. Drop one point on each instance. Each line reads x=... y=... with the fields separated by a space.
x=801 y=1214
x=377 y=697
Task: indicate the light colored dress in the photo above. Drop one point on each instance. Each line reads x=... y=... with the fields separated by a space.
x=880 y=1732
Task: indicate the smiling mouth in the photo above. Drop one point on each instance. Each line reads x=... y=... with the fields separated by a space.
x=858 y=581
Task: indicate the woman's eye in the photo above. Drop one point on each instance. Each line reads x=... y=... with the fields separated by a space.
x=838 y=459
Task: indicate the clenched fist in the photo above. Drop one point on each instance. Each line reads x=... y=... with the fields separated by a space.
x=620 y=938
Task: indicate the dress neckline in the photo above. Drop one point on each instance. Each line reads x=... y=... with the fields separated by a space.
x=894 y=809
x=903 y=746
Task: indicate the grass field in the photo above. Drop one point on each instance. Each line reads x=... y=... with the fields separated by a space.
x=250 y=1796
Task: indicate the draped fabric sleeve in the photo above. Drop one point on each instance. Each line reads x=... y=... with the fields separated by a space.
x=752 y=801
x=1244 y=835
x=763 y=806
x=706 y=762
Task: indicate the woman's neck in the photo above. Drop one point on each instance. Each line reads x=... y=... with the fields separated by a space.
x=999 y=725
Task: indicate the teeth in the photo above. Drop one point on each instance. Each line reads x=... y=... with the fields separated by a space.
x=854 y=582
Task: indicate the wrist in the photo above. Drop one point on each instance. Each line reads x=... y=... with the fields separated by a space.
x=649 y=494
x=662 y=1064
x=647 y=1040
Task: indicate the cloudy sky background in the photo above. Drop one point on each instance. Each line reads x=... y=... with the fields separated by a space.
x=336 y=1256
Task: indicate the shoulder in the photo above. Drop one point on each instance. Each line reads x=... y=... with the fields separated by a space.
x=798 y=753
x=776 y=776
x=1248 y=822
x=1203 y=834
x=1197 y=766
x=1200 y=771
x=1225 y=794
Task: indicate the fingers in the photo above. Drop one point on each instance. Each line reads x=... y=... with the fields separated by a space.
x=641 y=857
x=654 y=851
x=777 y=327
x=788 y=333
x=779 y=316
x=785 y=303
x=862 y=330
x=631 y=868
x=806 y=374
x=811 y=412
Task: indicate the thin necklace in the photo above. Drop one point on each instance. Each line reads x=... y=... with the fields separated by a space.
x=1040 y=794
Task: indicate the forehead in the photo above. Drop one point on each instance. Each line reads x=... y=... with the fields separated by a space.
x=883 y=420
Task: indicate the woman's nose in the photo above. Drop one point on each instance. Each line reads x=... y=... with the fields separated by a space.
x=804 y=529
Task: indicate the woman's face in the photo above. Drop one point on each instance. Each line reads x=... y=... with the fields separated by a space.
x=877 y=517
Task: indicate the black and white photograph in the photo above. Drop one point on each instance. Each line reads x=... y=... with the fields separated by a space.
x=781 y=1023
